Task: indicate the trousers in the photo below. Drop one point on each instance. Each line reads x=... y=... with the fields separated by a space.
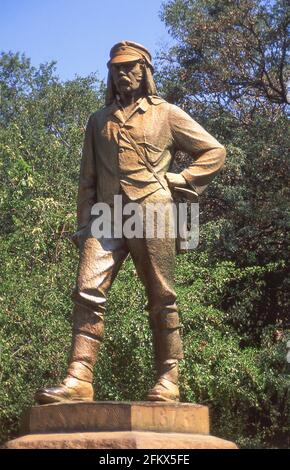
x=154 y=260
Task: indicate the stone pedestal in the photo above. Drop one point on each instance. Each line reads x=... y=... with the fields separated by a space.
x=118 y=425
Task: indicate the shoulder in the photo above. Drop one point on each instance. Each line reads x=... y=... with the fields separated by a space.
x=100 y=113
x=174 y=111
x=162 y=106
x=99 y=116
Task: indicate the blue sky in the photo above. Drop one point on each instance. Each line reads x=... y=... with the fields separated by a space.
x=78 y=34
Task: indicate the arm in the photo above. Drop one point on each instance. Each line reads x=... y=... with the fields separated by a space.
x=87 y=195
x=208 y=154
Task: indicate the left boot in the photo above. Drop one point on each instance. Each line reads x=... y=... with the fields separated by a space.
x=166 y=387
x=167 y=352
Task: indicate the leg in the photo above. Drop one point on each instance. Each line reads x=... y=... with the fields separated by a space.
x=100 y=261
x=154 y=259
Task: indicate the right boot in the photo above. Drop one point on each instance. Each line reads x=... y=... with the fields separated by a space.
x=168 y=351
x=88 y=330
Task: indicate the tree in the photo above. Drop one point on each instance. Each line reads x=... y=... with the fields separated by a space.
x=42 y=123
x=230 y=54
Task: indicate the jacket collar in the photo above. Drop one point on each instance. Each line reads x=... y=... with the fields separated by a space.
x=115 y=109
x=142 y=105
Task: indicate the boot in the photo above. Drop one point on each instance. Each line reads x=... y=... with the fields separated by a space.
x=166 y=387
x=167 y=351
x=77 y=386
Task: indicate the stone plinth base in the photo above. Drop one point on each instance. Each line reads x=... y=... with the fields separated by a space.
x=118 y=425
x=117 y=416
x=119 y=440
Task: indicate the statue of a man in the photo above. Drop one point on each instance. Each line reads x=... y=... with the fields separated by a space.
x=129 y=147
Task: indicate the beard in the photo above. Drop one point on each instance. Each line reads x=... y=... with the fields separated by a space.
x=126 y=86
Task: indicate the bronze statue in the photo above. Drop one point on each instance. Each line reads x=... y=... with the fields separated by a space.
x=128 y=148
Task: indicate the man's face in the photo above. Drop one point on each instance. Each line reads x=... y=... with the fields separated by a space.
x=127 y=76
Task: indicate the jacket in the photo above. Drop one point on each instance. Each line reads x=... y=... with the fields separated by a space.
x=160 y=129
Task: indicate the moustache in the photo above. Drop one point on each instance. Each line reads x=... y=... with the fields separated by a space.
x=124 y=81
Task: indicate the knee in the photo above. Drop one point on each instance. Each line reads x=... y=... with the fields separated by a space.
x=93 y=299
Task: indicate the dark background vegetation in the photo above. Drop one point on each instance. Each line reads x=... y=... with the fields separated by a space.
x=228 y=70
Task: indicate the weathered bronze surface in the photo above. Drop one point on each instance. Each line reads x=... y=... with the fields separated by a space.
x=134 y=118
